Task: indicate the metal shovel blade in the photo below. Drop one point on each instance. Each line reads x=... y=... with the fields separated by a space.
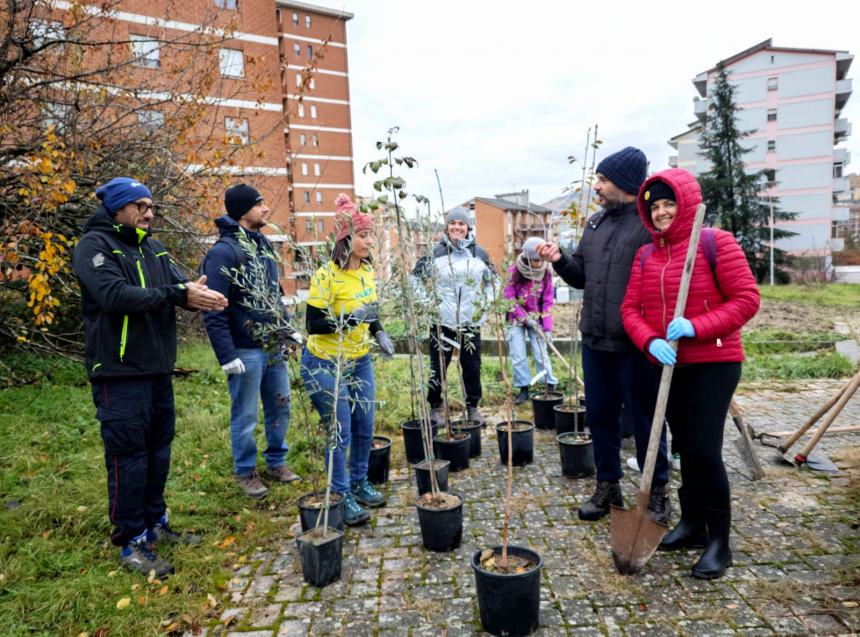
x=817 y=461
x=635 y=536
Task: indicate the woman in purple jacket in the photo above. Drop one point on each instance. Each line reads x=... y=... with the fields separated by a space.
x=530 y=288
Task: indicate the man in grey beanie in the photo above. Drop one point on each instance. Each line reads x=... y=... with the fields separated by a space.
x=615 y=372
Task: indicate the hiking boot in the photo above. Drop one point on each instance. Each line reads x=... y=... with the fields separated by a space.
x=606 y=494
x=161 y=533
x=281 y=474
x=718 y=554
x=137 y=556
x=474 y=415
x=436 y=416
x=522 y=397
x=353 y=514
x=365 y=494
x=251 y=485
x=690 y=532
x=659 y=506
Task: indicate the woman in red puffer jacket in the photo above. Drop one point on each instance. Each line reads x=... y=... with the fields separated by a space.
x=723 y=296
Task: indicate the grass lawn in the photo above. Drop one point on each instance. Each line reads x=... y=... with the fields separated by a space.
x=58 y=573
x=831 y=294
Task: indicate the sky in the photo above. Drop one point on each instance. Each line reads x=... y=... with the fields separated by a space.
x=496 y=95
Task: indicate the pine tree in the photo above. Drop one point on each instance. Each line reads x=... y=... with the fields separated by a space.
x=730 y=192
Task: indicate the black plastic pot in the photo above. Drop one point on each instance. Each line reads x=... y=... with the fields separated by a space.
x=542 y=407
x=412 y=440
x=577 y=455
x=509 y=604
x=380 y=459
x=308 y=514
x=321 y=557
x=566 y=421
x=422 y=475
x=473 y=428
x=455 y=451
x=441 y=529
x=523 y=448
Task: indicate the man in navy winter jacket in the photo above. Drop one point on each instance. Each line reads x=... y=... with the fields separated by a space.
x=130 y=288
x=249 y=337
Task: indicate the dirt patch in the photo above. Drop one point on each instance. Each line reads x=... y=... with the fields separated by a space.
x=491 y=562
x=439 y=502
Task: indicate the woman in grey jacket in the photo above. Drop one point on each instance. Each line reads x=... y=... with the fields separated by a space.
x=463 y=280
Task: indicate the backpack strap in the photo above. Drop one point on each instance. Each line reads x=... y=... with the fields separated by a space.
x=645 y=255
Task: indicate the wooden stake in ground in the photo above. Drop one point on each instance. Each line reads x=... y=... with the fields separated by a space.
x=635 y=536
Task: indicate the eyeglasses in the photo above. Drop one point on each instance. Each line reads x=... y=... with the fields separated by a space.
x=144 y=207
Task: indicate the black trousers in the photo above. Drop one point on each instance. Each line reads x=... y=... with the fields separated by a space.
x=470 y=362
x=698 y=403
x=137 y=425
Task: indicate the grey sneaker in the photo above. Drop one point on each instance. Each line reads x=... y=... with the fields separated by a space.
x=251 y=485
x=281 y=474
x=163 y=534
x=138 y=557
x=474 y=414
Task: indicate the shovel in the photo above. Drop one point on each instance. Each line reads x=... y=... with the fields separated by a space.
x=634 y=535
x=744 y=443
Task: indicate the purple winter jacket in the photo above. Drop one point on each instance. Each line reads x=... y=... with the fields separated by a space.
x=531 y=298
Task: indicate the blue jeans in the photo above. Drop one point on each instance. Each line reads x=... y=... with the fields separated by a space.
x=519 y=360
x=355 y=410
x=613 y=379
x=266 y=377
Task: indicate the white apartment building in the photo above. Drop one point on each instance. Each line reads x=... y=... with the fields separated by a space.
x=791 y=99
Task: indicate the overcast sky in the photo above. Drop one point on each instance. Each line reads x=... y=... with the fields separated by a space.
x=496 y=95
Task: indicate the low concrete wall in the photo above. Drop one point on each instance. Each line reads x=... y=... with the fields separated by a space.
x=488 y=347
x=846 y=274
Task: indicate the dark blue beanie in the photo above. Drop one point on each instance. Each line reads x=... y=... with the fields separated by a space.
x=120 y=191
x=626 y=169
x=239 y=199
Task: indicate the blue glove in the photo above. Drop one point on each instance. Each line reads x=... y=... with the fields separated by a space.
x=680 y=327
x=662 y=351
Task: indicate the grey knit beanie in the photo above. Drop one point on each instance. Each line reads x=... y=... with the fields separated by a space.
x=530 y=247
x=458 y=214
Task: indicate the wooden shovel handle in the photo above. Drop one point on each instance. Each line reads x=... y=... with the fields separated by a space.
x=794 y=437
x=843 y=399
x=666 y=377
x=555 y=351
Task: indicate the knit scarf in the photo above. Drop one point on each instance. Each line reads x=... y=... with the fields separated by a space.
x=527 y=271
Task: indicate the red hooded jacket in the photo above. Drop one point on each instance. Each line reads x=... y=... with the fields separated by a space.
x=720 y=301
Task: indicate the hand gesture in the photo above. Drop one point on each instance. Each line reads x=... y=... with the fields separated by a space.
x=201 y=297
x=549 y=252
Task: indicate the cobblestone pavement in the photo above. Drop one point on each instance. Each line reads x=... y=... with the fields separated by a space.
x=795 y=538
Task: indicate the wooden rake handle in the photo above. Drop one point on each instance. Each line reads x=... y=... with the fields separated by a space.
x=666 y=377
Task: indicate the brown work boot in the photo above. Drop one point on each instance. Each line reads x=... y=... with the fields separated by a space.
x=251 y=485
x=281 y=474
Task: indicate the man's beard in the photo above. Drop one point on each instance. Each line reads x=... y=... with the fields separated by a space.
x=611 y=203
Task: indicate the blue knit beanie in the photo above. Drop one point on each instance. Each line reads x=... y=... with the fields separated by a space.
x=120 y=191
x=626 y=169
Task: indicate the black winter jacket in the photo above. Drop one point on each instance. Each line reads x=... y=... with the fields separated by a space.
x=601 y=265
x=129 y=290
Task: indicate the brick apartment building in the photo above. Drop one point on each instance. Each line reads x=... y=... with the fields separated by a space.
x=283 y=92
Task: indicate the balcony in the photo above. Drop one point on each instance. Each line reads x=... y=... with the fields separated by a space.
x=841 y=129
x=843 y=92
x=673 y=161
x=840 y=184
x=840 y=213
x=701 y=83
x=841 y=156
x=700 y=107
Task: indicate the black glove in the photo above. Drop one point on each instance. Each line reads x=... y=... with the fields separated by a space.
x=367 y=313
x=385 y=344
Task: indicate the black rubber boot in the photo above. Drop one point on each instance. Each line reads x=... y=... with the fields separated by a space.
x=522 y=397
x=690 y=533
x=606 y=494
x=718 y=554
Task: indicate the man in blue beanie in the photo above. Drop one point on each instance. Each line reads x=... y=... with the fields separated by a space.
x=615 y=372
x=130 y=288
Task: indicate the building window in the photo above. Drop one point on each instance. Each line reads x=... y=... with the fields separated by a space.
x=307 y=197
x=297 y=49
x=298 y=79
x=44 y=32
x=150 y=120
x=772 y=83
x=771 y=114
x=771 y=144
x=321 y=226
x=232 y=63
x=301 y=110
x=770 y=177
x=318 y=196
x=313 y=111
x=295 y=19
x=310 y=51
x=309 y=225
x=313 y=84
x=145 y=51
x=307 y=22
x=837 y=169
x=55 y=115
x=237 y=130
x=315 y=140
x=302 y=139
x=304 y=169
x=232 y=5
x=317 y=170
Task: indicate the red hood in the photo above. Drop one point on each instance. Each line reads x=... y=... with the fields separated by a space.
x=688 y=195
